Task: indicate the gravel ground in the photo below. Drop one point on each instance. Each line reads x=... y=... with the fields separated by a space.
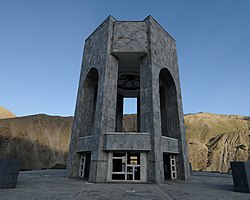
x=51 y=184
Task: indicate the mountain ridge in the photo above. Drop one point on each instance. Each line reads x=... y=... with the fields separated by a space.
x=42 y=141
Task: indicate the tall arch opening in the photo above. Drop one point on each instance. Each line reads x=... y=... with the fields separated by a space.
x=89 y=106
x=128 y=92
x=168 y=105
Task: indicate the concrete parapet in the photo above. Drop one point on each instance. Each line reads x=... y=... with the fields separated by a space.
x=127 y=141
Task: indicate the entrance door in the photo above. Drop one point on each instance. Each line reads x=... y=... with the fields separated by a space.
x=169 y=161
x=84 y=165
x=133 y=172
x=173 y=166
x=126 y=166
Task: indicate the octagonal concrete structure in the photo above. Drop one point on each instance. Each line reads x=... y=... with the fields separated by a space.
x=129 y=59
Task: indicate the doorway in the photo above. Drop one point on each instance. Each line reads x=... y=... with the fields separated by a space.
x=84 y=165
x=169 y=162
x=126 y=166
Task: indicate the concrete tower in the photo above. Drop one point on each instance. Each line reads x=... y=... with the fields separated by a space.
x=129 y=59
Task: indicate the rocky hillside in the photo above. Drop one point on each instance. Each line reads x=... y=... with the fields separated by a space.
x=42 y=141
x=130 y=123
x=39 y=141
x=215 y=140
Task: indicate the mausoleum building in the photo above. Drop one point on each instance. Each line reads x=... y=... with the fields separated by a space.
x=129 y=59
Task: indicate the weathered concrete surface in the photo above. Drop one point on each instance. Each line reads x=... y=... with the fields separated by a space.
x=204 y=185
x=127 y=141
x=169 y=145
x=97 y=57
x=85 y=143
x=51 y=184
x=130 y=37
x=152 y=56
x=158 y=65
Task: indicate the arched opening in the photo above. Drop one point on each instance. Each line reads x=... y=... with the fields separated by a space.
x=89 y=98
x=168 y=105
x=128 y=93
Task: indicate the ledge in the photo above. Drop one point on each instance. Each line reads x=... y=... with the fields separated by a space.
x=169 y=145
x=127 y=141
x=85 y=143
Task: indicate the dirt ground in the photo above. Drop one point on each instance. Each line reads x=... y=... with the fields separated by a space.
x=51 y=184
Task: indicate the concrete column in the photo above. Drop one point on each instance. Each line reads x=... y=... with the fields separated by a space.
x=146 y=111
x=157 y=134
x=105 y=120
x=106 y=104
x=138 y=113
x=83 y=121
x=119 y=113
x=184 y=168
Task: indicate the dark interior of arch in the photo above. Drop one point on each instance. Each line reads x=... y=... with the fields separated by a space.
x=89 y=98
x=168 y=105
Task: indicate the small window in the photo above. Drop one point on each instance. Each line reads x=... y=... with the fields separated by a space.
x=130 y=106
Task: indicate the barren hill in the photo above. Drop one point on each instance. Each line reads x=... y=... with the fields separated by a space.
x=39 y=141
x=4 y=113
x=42 y=141
x=215 y=140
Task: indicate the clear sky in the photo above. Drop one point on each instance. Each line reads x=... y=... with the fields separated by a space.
x=41 y=46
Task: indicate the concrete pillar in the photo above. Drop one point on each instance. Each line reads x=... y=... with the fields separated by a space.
x=146 y=111
x=119 y=113
x=138 y=113
x=106 y=103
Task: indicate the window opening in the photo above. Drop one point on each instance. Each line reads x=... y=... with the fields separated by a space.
x=130 y=123
x=130 y=106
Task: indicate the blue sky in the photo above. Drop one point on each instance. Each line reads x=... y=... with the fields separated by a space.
x=41 y=46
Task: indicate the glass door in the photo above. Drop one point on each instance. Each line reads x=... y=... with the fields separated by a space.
x=126 y=166
x=133 y=166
